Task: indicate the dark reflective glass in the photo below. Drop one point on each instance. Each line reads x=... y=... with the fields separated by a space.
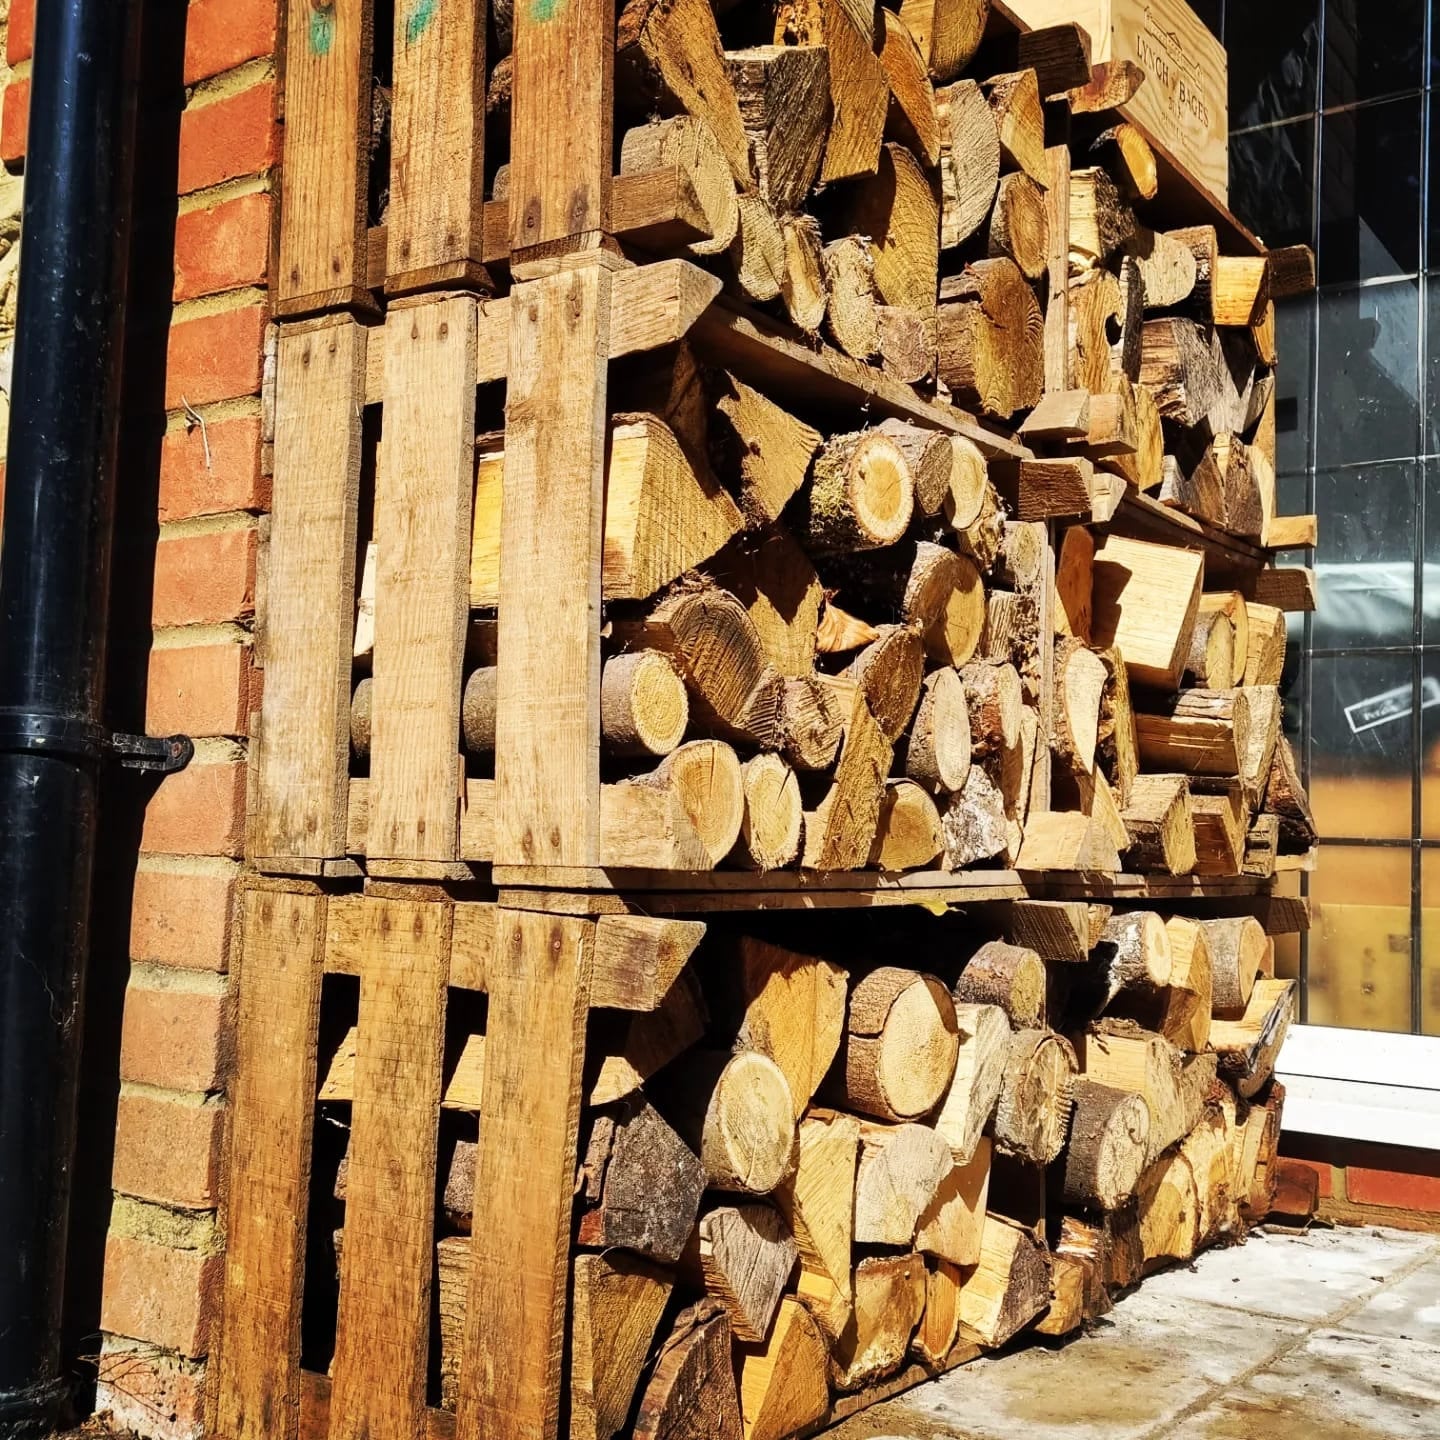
x=1272 y=182
x=1274 y=54
x=1372 y=48
x=1294 y=382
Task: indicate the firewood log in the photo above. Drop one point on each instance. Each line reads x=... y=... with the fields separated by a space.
x=1262 y=846
x=909 y=835
x=746 y=1254
x=642 y=1184
x=617 y=1305
x=952 y=1225
x=1100 y=221
x=907 y=342
x=990 y=335
x=643 y=706
x=670 y=55
x=1019 y=225
x=1108 y=1146
x=737 y=1112
x=1012 y=637
x=1200 y=732
x=692 y=1391
x=1135 y=954
x=1022 y=557
x=762 y=450
x=1249 y=1046
x=1237 y=947
x=938 y=753
x=969 y=161
x=818 y=1199
x=812 y=723
x=686 y=814
x=1009 y=1286
x=1240 y=289
x=783 y=92
x=861 y=496
x=1146 y=599
x=1285 y=797
x=772 y=577
x=970 y=1098
x=840 y=831
x=1265 y=656
x=773 y=821
x=1063 y=931
x=802 y=286
x=1183 y=367
x=784 y=1385
x=1160 y=824
x=689 y=145
x=1009 y=977
x=972 y=508
x=1073 y=1282
x=901 y=1044
x=1074 y=583
x=1119 y=753
x=1079 y=687
x=1231 y=604
x=948 y=32
x=784 y=1005
x=889 y=1299
x=1034 y=1107
x=757 y=253
x=896 y=208
x=901 y=1167
x=1265 y=716
x=1124 y=1056
x=996 y=704
x=1015 y=102
x=1169 y=1208
x=652 y=1039
x=859 y=91
x=1167 y=267
x=1218 y=806
x=912 y=117
x=887 y=674
x=1126 y=153
x=852 y=302
x=939 y=1327
x=930 y=456
x=974 y=821
x=1211 y=662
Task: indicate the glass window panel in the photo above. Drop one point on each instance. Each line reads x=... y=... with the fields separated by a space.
x=1362 y=752
x=1430 y=556
x=1272 y=182
x=1432 y=364
x=1359 y=941
x=1365 y=559
x=1295 y=383
x=1274 y=52
x=1430 y=746
x=1287 y=947
x=1372 y=49
x=1430 y=942
x=1367 y=385
x=1370 y=192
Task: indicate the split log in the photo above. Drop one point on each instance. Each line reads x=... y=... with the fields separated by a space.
x=938 y=754
x=889 y=1299
x=973 y=508
x=1008 y=1288
x=1033 y=1113
x=1095 y=303
x=1262 y=847
x=784 y=1385
x=887 y=675
x=1203 y=243
x=1122 y=1055
x=996 y=704
x=1023 y=554
x=1265 y=657
x=907 y=343
x=931 y=458
x=1285 y=797
x=812 y=723
x=1118 y=749
x=939 y=594
x=692 y=1394
x=1015 y=103
x=1169 y=1209
x=990 y=335
x=1020 y=226
x=948 y=32
x=1220 y=826
x=480 y=698
x=840 y=831
x=757 y=253
x=617 y=1305
x=1248 y=1047
x=1237 y=948
x=1146 y=598
x=1200 y=732
x=642 y=1184
x=772 y=577
x=1073 y=1283
x=951 y=1228
x=974 y=822
x=738 y=1113
x=1231 y=604
x=1079 y=687
x=1112 y=84
x=1135 y=954
x=689 y=145
x=653 y=1038
x=762 y=450
x=852 y=303
x=901 y=1044
x=1100 y=221
x=774 y=818
x=1167 y=267
x=912 y=118
x=1064 y=931
x=746 y=1256
x=802 y=286
x=861 y=497
x=783 y=92
x=684 y=815
x=1074 y=584
x=1160 y=824
x=1009 y=977
x=1069 y=841
x=939 y=1328
x=1255 y=763
x=1012 y=637
x=901 y=1167
x=643 y=706
x=896 y=208
x=980 y=1063
x=1108 y=1146
x=909 y=835
x=969 y=161
x=1211 y=661
x=1206 y=1151
x=818 y=1199
x=1240 y=289
x=1184 y=369
x=1127 y=154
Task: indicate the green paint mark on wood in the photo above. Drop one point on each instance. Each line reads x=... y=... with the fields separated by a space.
x=422 y=15
x=543 y=11
x=322 y=28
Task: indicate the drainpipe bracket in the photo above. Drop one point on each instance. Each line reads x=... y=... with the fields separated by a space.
x=163 y=755
x=42 y=733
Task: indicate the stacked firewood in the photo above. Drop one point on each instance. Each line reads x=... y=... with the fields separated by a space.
x=801 y=1176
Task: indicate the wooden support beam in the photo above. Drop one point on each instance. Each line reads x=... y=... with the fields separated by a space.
x=1057 y=304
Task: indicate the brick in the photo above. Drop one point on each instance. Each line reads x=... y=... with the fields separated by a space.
x=215 y=357
x=204 y=579
x=1323 y=1175
x=228 y=138
x=15 y=121
x=20 y=40
x=199 y=811
x=174 y=1038
x=199 y=690
x=230 y=481
x=148 y=1393
x=155 y=1293
x=167 y=1150
x=222 y=248
x=182 y=920
x=221 y=34
x=1393 y=1189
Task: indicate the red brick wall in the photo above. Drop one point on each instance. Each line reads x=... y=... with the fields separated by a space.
x=1364 y=1184
x=162 y=1258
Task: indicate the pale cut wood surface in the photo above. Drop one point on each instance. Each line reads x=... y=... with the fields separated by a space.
x=511 y=1371
x=383 y=1328
x=300 y=797
x=548 y=735
x=271 y=1123
x=423 y=500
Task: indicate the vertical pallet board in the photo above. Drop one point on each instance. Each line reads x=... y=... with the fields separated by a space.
x=382 y=1337
x=435 y=222
x=424 y=497
x=324 y=187
x=272 y=1102
x=1057 y=306
x=511 y=1369
x=547 y=745
x=301 y=790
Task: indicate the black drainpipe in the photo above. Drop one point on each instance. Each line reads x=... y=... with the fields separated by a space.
x=54 y=600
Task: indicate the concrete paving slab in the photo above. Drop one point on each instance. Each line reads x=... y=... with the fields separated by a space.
x=1408 y=1310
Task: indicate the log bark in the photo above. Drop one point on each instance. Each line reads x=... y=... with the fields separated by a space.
x=930 y=456
x=901 y=1044
x=1108 y=1147
x=1100 y=221
x=692 y=1394
x=643 y=705
x=974 y=821
x=1033 y=1112
x=990 y=336
x=1010 y=977
x=1200 y=732
x=746 y=1255
x=996 y=703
